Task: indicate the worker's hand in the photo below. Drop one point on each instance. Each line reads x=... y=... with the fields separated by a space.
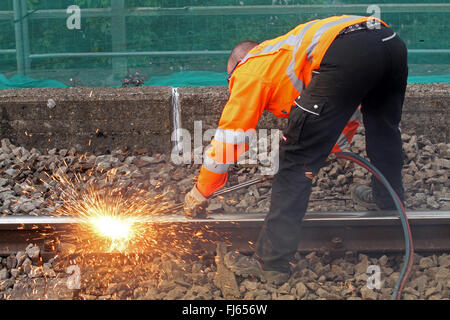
x=195 y=204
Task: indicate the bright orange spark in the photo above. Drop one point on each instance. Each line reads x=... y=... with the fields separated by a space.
x=114 y=213
x=117 y=229
x=112 y=227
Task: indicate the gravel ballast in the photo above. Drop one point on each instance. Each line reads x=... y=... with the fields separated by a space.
x=316 y=276
x=27 y=188
x=26 y=185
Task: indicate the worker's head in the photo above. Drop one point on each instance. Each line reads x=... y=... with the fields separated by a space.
x=238 y=53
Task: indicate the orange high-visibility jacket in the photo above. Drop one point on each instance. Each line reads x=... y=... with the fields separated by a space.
x=270 y=77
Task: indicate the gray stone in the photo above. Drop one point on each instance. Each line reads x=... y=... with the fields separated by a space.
x=26 y=265
x=386 y=294
x=426 y=263
x=28 y=206
x=383 y=260
x=431 y=201
x=138 y=293
x=6 y=195
x=421 y=282
x=35 y=272
x=12 y=172
x=262 y=297
x=150 y=159
x=284 y=289
x=11 y=262
x=341 y=179
x=327 y=295
x=175 y=293
x=442 y=163
x=20 y=256
x=4 y=274
x=249 y=285
x=442 y=274
x=201 y=292
x=33 y=253
x=166 y=285
x=362 y=267
x=312 y=285
x=361 y=278
x=301 y=264
x=5 y=284
x=387 y=271
x=430 y=291
x=66 y=248
x=411 y=291
x=391 y=280
x=214 y=206
x=312 y=258
x=250 y=295
x=363 y=258
x=3 y=182
x=104 y=165
x=285 y=297
x=6 y=145
x=368 y=294
x=151 y=283
x=301 y=290
x=308 y=274
x=444 y=260
x=197 y=278
x=408 y=179
x=15 y=273
x=48 y=271
x=112 y=288
x=152 y=294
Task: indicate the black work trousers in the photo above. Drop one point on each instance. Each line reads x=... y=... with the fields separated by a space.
x=367 y=67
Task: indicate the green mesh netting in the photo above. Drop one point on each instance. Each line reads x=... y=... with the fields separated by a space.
x=190 y=79
x=172 y=40
x=19 y=82
x=430 y=79
x=177 y=79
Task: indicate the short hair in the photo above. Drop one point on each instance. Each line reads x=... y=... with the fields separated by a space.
x=241 y=49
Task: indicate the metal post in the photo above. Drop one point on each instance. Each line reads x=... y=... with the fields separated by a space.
x=119 y=64
x=25 y=38
x=21 y=34
x=19 y=37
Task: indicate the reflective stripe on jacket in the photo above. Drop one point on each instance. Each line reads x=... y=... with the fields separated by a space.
x=270 y=77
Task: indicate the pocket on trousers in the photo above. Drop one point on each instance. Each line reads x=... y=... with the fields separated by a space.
x=294 y=127
x=305 y=109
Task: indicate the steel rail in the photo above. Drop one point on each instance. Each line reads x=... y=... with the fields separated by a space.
x=322 y=218
x=355 y=231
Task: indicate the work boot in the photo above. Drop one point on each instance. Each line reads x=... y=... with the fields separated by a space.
x=363 y=196
x=249 y=266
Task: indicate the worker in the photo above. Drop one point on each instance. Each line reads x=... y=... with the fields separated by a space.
x=317 y=75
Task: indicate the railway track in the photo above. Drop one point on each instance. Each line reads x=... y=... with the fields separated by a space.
x=373 y=231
